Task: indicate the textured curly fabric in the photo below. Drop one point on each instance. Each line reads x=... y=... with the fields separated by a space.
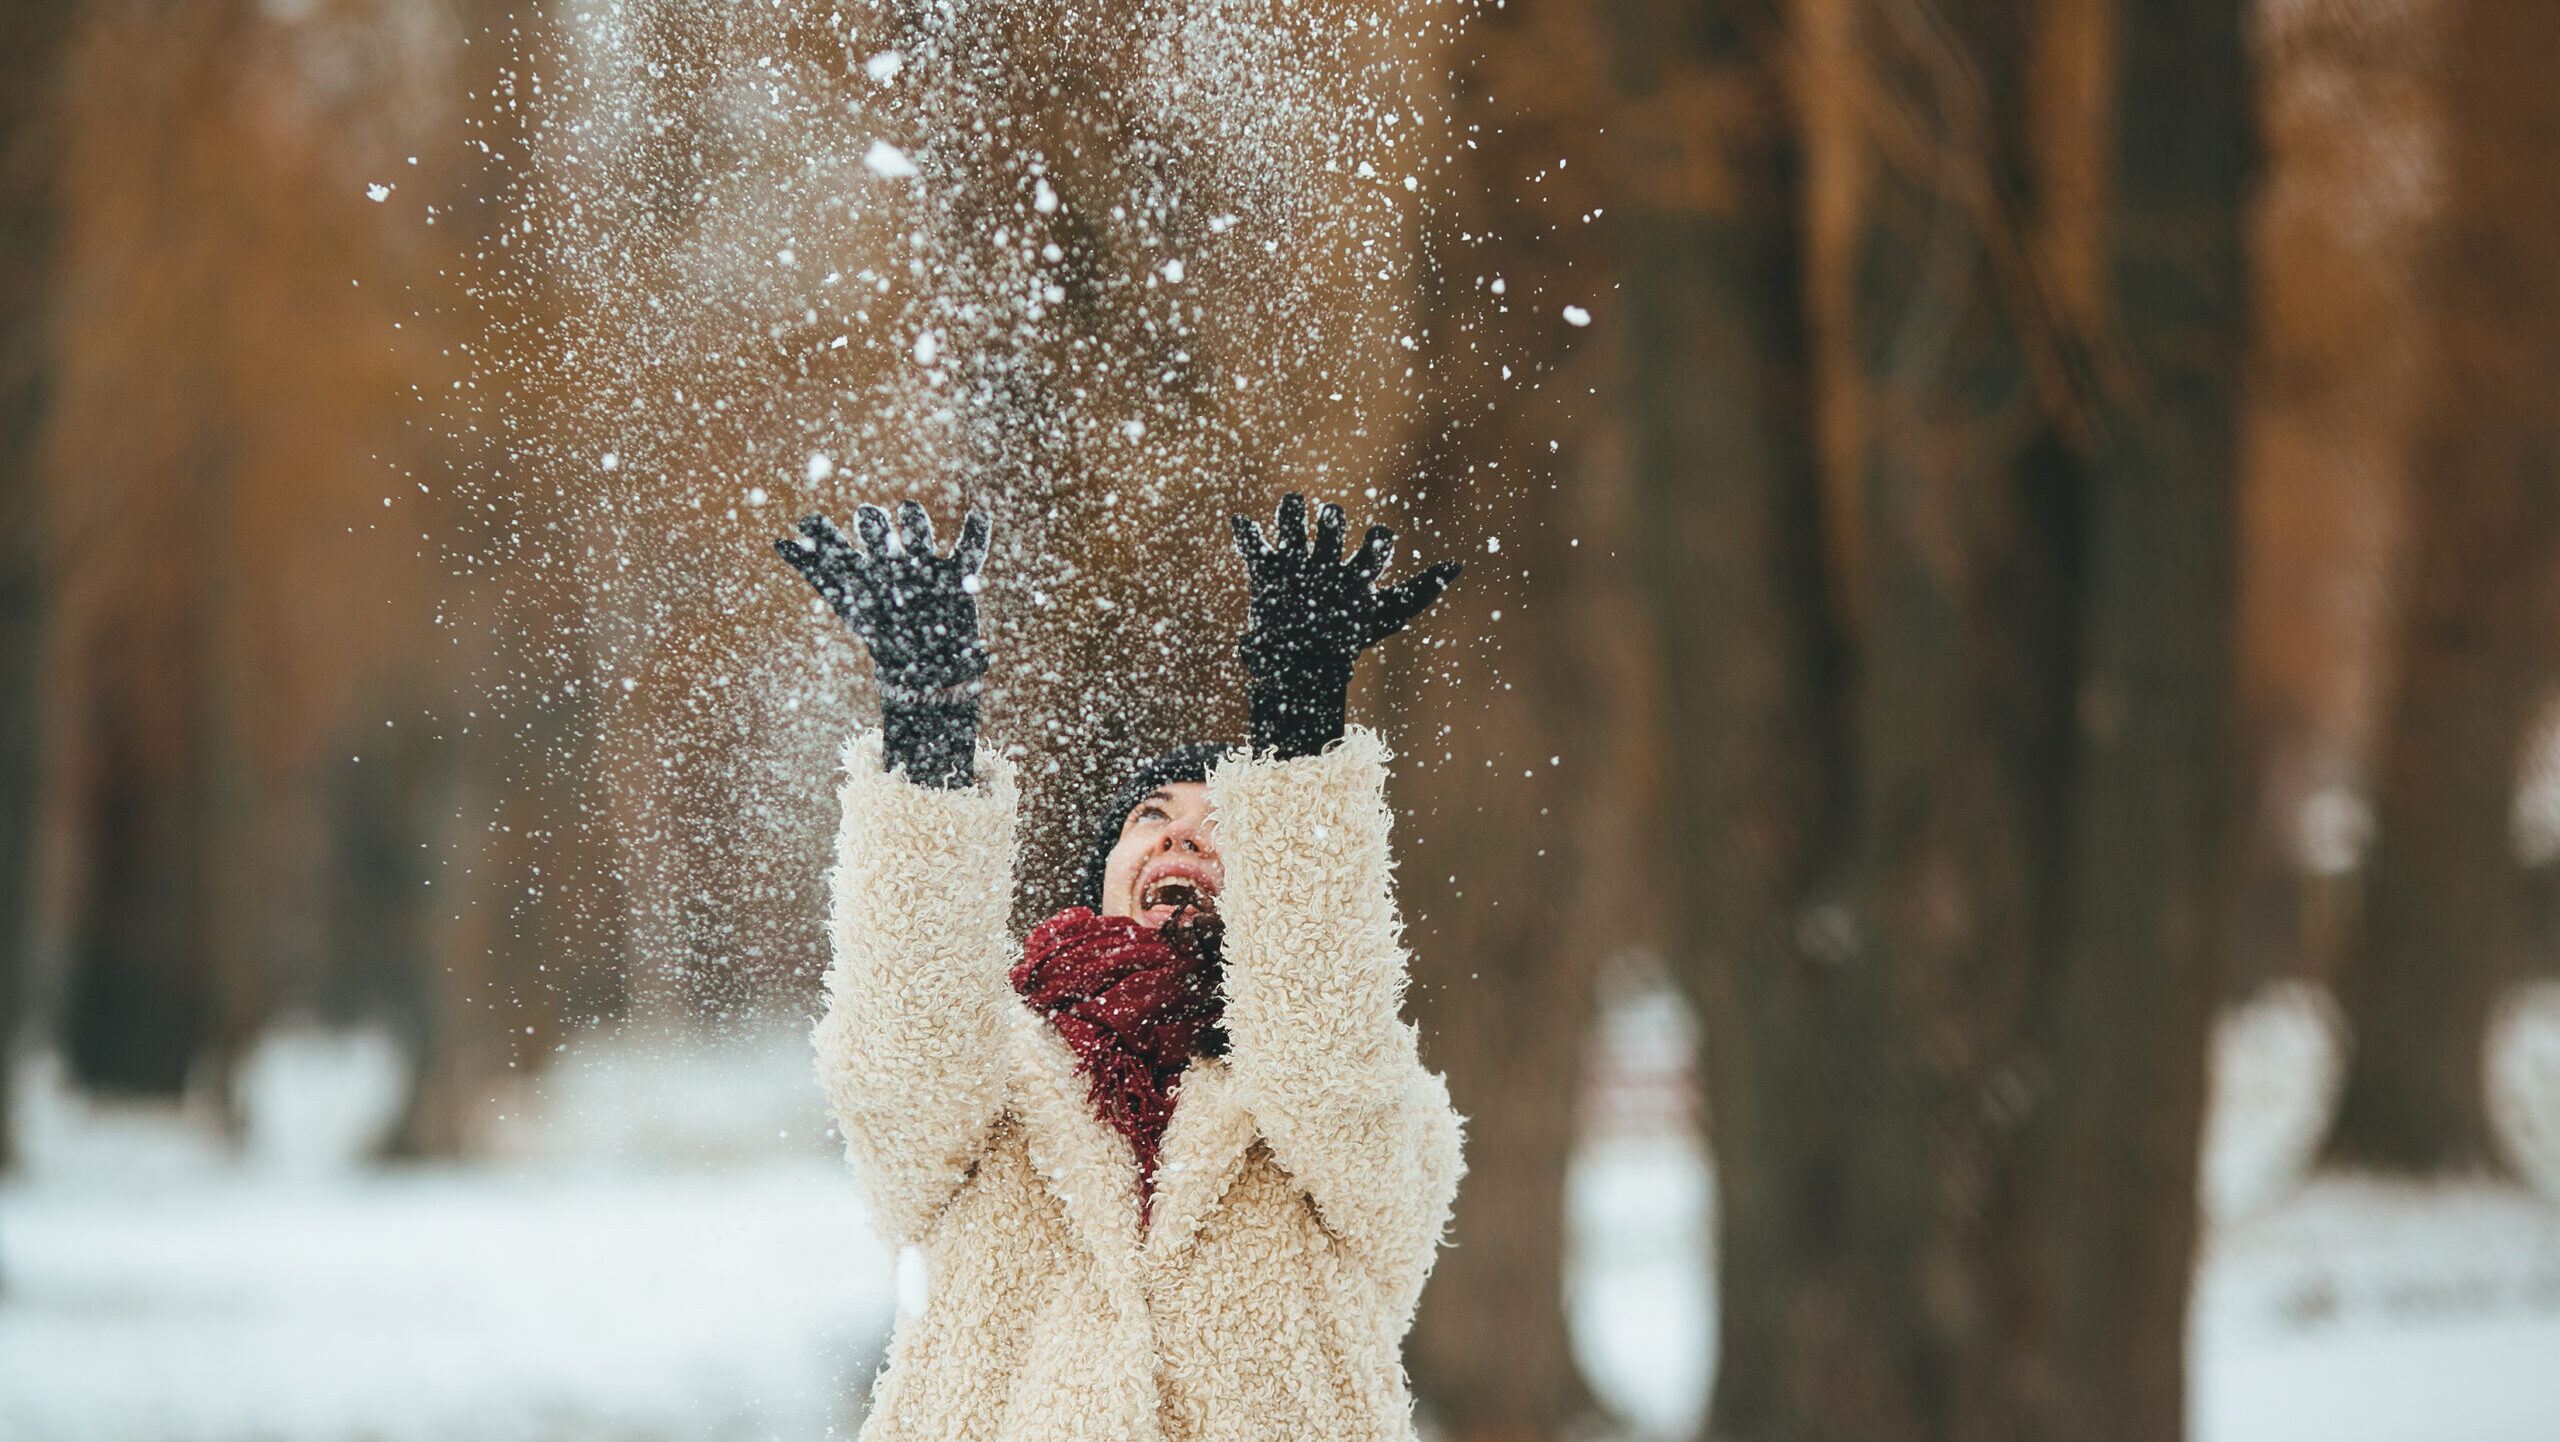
x=1135 y=1004
x=1304 y=1181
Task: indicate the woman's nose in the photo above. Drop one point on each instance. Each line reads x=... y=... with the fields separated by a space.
x=1182 y=834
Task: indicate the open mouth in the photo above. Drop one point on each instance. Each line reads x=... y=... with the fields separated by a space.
x=1175 y=888
x=1178 y=892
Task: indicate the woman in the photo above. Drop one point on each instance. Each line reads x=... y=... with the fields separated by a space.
x=1173 y=1164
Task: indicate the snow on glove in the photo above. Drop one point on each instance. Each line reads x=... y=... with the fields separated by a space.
x=1312 y=614
x=917 y=611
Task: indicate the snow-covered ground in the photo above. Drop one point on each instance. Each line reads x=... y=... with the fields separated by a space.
x=2336 y=1309
x=2365 y=1311
x=2353 y=1311
x=669 y=1250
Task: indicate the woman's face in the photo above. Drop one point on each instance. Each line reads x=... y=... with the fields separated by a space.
x=1166 y=858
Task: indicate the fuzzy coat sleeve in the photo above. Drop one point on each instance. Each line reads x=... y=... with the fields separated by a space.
x=911 y=1049
x=1315 y=979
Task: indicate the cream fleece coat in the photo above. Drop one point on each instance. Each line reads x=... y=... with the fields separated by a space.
x=1304 y=1180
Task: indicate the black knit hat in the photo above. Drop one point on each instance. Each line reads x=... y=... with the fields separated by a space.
x=1183 y=763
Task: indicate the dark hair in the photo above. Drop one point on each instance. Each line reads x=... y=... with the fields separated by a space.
x=1183 y=763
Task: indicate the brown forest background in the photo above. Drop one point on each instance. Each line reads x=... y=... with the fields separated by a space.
x=2051 y=526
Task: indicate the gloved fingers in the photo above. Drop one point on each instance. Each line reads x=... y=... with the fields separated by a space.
x=824 y=543
x=1370 y=561
x=1249 y=542
x=872 y=524
x=1399 y=604
x=975 y=533
x=1292 y=524
x=915 y=530
x=1330 y=524
x=803 y=556
x=820 y=555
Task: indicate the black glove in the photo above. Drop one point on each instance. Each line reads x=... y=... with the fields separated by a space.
x=918 y=612
x=1312 y=615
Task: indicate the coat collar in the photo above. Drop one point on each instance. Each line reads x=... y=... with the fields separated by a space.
x=1090 y=1168
x=1085 y=1164
x=1204 y=1147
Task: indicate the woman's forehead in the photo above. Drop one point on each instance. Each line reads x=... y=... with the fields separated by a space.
x=1176 y=796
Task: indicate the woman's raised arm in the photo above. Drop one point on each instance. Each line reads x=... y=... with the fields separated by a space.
x=1315 y=976
x=911 y=1050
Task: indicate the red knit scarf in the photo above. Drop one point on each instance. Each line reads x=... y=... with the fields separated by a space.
x=1136 y=1005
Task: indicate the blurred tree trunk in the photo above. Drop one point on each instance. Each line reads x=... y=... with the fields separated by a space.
x=2447 y=906
x=1497 y=878
x=1956 y=1112
x=1718 y=403
x=2100 y=1319
x=1516 y=877
x=241 y=351
x=32 y=38
x=1871 y=1122
x=158 y=980
x=140 y=998
x=2346 y=94
x=477 y=909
